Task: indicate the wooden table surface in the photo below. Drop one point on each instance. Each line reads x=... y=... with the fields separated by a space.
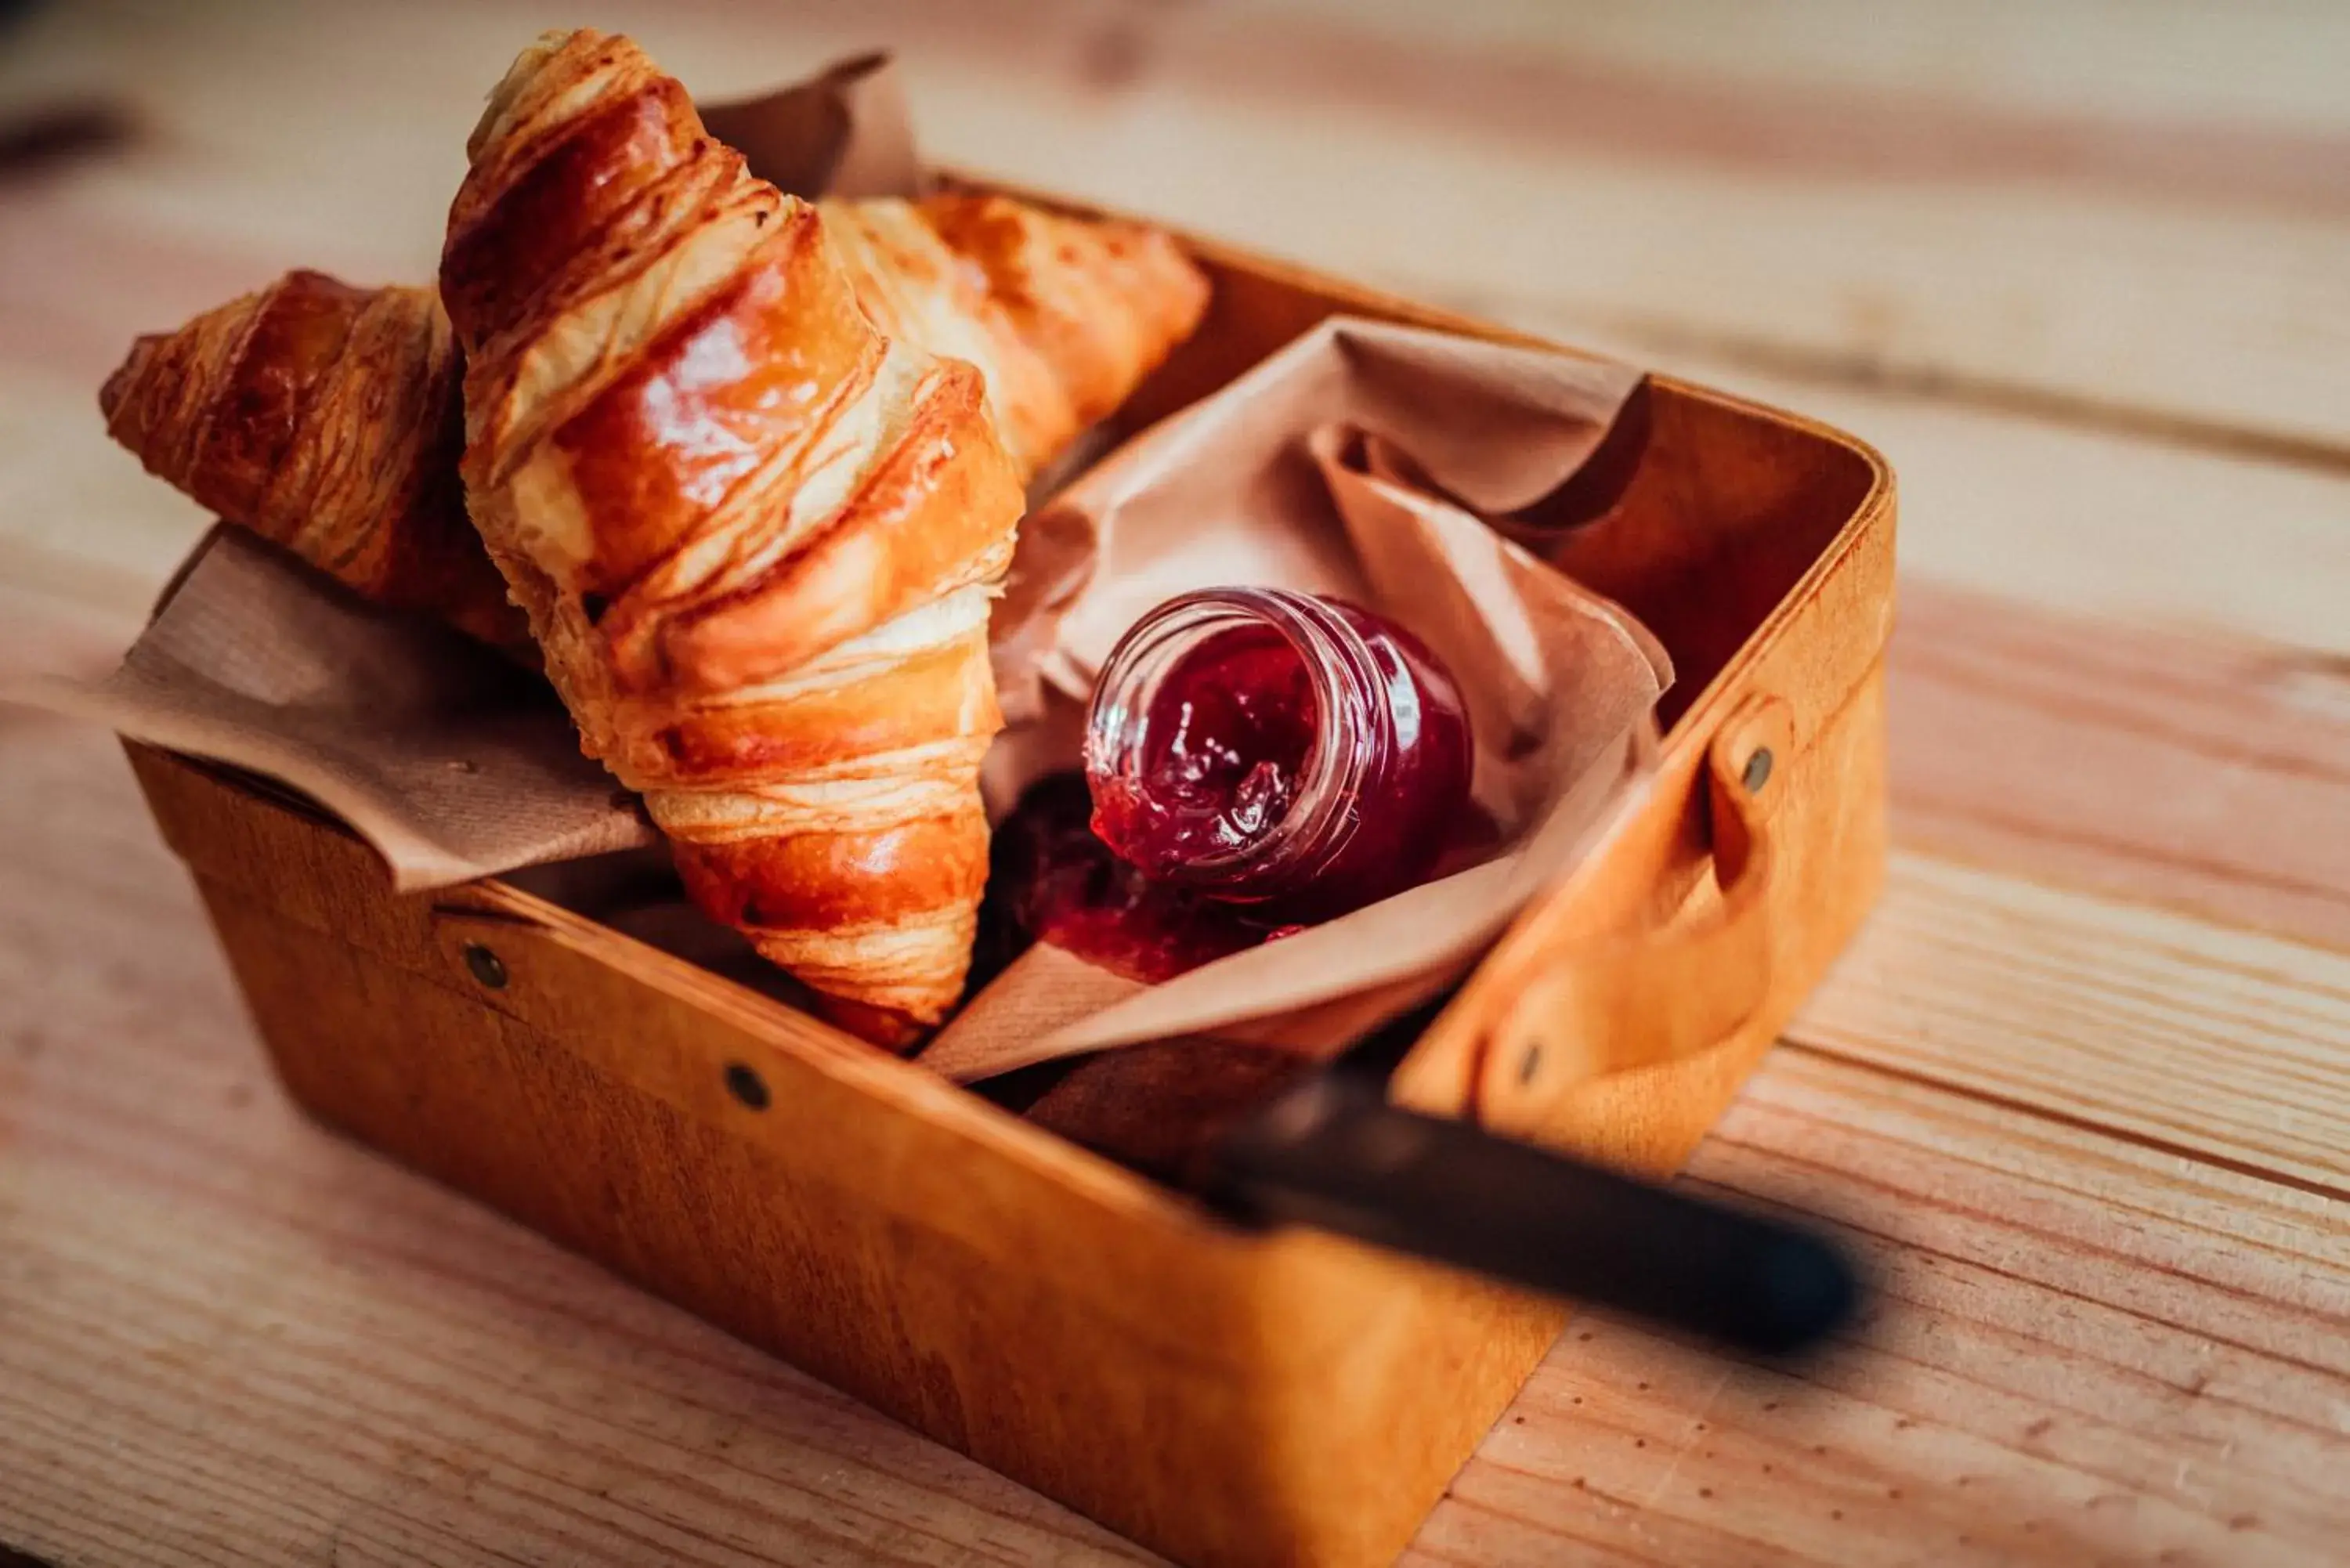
x=2081 y=1092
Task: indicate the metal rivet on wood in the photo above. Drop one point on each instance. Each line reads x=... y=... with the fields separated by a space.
x=486 y=966
x=745 y=1084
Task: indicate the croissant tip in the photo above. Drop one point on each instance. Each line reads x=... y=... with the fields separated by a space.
x=117 y=390
x=533 y=57
x=883 y=1026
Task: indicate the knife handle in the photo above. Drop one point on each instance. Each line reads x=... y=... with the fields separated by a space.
x=1332 y=1153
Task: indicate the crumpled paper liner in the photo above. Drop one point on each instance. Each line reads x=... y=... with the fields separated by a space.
x=1347 y=463
x=451 y=761
x=845 y=131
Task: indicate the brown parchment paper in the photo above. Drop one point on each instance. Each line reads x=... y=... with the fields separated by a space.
x=453 y=762
x=845 y=131
x=1347 y=463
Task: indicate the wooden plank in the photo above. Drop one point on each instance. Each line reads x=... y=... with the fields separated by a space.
x=2208 y=774
x=2043 y=1108
x=2073 y=1365
x=278 y=1394
x=2190 y=1037
x=2270 y=63
x=2162 y=268
x=2113 y=526
x=2160 y=265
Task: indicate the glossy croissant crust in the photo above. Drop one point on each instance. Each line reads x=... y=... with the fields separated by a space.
x=756 y=537
x=325 y=418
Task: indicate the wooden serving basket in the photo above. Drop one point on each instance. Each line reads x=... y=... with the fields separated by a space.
x=1224 y=1396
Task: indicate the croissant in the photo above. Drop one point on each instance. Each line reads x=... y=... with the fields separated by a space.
x=914 y=288
x=757 y=538
x=326 y=418
x=1064 y=316
x=1099 y=301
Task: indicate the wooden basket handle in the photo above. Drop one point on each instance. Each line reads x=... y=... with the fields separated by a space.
x=1666 y=992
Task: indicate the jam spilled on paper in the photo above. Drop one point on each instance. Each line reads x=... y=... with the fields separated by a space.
x=1258 y=763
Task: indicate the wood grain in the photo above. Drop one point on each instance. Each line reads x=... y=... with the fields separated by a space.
x=2197 y=1038
x=2154 y=533
x=2168 y=262
x=2266 y=64
x=2204 y=774
x=2073 y=1365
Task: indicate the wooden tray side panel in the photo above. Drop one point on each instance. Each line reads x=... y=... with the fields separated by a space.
x=1711 y=519
x=937 y=1336
x=1830 y=831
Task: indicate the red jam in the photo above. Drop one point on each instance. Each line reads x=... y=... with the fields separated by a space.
x=1287 y=753
x=1051 y=880
x=1231 y=729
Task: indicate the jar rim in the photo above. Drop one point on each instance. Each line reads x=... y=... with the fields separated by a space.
x=1318 y=820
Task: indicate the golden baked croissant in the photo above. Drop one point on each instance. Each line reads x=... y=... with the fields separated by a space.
x=1101 y=302
x=1064 y=316
x=755 y=537
x=326 y=418
x=914 y=288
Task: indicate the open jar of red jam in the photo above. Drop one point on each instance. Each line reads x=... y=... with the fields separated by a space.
x=1279 y=750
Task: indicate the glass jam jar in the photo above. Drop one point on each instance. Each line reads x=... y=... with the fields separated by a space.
x=1282 y=750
